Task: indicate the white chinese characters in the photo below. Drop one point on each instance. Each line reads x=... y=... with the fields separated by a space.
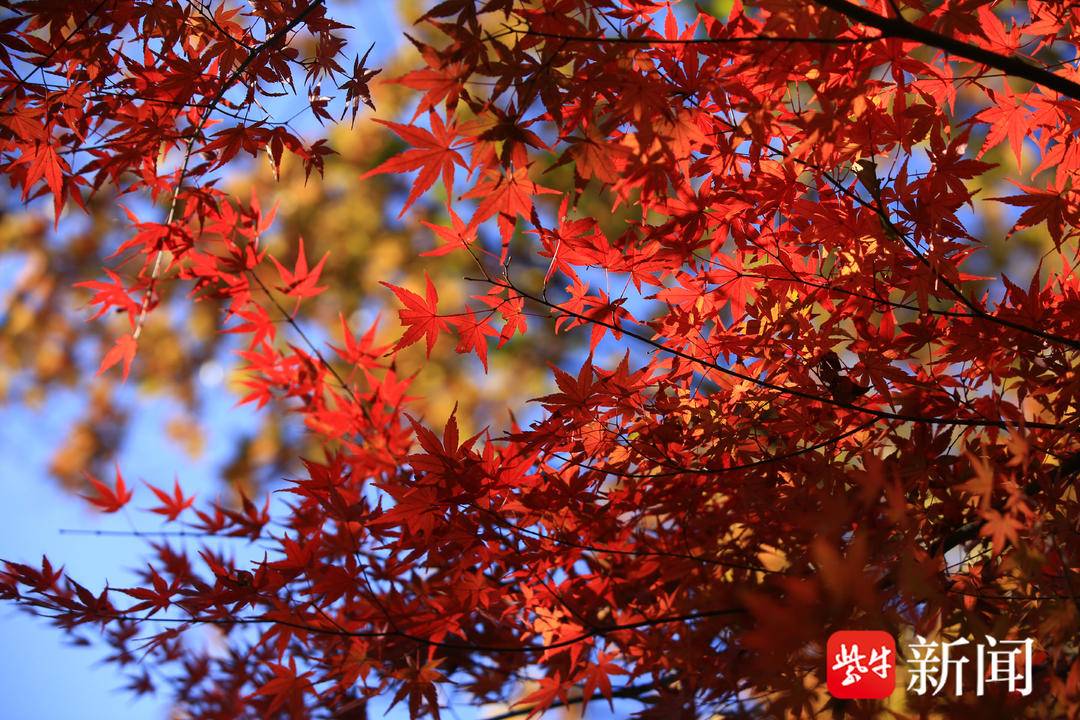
x=996 y=661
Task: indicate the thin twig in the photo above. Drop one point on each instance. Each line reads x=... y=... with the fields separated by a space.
x=196 y=132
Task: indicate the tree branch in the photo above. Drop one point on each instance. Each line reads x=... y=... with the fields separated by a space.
x=599 y=631
x=784 y=389
x=631 y=691
x=898 y=27
x=278 y=36
x=622 y=40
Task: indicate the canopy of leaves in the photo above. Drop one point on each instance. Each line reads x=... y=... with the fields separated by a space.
x=809 y=400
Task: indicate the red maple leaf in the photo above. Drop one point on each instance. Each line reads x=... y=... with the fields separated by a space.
x=109 y=499
x=45 y=164
x=456 y=237
x=123 y=350
x=420 y=315
x=550 y=689
x=1001 y=528
x=432 y=153
x=598 y=676
x=300 y=282
x=287 y=686
x=510 y=195
x=111 y=295
x=474 y=333
x=1009 y=118
x=1050 y=205
x=171 y=505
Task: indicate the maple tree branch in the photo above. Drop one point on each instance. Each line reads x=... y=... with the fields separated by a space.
x=197 y=131
x=794 y=276
x=787 y=390
x=680 y=470
x=98 y=94
x=624 y=40
x=965 y=535
x=599 y=631
x=149 y=533
x=891 y=229
x=900 y=28
x=361 y=406
x=888 y=225
x=631 y=691
x=1010 y=598
x=627 y=553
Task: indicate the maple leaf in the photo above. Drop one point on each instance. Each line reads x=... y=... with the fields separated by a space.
x=171 y=505
x=456 y=237
x=286 y=686
x=1008 y=118
x=157 y=598
x=364 y=352
x=122 y=350
x=300 y=282
x=473 y=334
x=228 y=142
x=604 y=314
x=356 y=87
x=438 y=84
x=313 y=157
x=416 y=509
x=432 y=153
x=109 y=499
x=1049 y=205
x=45 y=164
x=1001 y=529
x=735 y=283
x=510 y=195
x=997 y=39
x=598 y=676
x=26 y=123
x=596 y=157
x=982 y=485
x=420 y=315
x=419 y=686
x=550 y=689
x=511 y=309
x=111 y=294
x=576 y=392
x=513 y=313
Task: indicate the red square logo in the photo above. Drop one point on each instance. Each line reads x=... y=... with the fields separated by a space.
x=860 y=664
